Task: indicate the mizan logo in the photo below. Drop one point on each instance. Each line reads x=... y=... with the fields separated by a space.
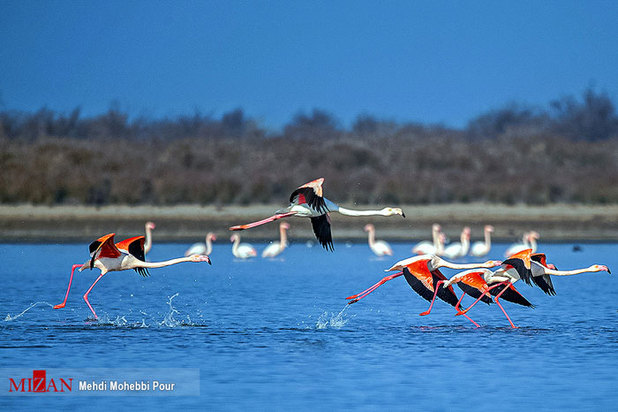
x=40 y=383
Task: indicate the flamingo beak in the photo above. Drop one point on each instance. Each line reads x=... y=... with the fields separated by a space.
x=403 y=214
x=208 y=260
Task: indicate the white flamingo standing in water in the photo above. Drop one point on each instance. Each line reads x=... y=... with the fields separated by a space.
x=148 y=242
x=242 y=250
x=308 y=201
x=128 y=254
x=480 y=249
x=528 y=241
x=458 y=249
x=435 y=247
x=379 y=247
x=275 y=248
x=200 y=248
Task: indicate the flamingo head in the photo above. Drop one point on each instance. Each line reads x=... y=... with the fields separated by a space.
x=436 y=227
x=284 y=225
x=200 y=258
x=492 y=263
x=533 y=235
x=150 y=225
x=234 y=237
x=390 y=211
x=211 y=236
x=600 y=268
x=368 y=227
x=466 y=232
x=489 y=228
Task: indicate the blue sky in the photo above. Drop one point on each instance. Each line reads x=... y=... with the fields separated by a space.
x=425 y=61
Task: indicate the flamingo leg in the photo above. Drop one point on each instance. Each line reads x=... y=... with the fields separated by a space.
x=61 y=305
x=263 y=221
x=435 y=293
x=480 y=297
x=496 y=299
x=88 y=291
x=459 y=302
x=359 y=296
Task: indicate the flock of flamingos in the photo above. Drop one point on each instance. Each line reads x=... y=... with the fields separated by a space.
x=488 y=281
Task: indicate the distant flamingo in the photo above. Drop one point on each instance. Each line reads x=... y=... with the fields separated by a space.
x=242 y=250
x=308 y=201
x=275 y=248
x=480 y=249
x=378 y=247
x=435 y=247
x=200 y=248
x=528 y=241
x=458 y=249
x=128 y=254
x=422 y=274
x=148 y=243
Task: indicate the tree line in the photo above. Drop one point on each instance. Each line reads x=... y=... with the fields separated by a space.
x=566 y=152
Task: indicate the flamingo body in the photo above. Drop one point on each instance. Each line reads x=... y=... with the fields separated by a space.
x=202 y=248
x=242 y=250
x=378 y=247
x=277 y=247
x=480 y=249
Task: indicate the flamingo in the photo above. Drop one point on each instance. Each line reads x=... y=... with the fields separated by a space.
x=458 y=249
x=435 y=247
x=275 y=248
x=379 y=247
x=242 y=250
x=422 y=274
x=200 y=248
x=528 y=241
x=474 y=283
x=480 y=249
x=307 y=201
x=128 y=254
x=148 y=242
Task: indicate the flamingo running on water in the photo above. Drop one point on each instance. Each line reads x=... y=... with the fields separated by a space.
x=422 y=274
x=379 y=247
x=275 y=248
x=480 y=249
x=435 y=247
x=458 y=249
x=128 y=254
x=308 y=201
x=242 y=250
x=148 y=242
x=200 y=248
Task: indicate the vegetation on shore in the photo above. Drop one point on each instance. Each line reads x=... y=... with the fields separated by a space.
x=566 y=153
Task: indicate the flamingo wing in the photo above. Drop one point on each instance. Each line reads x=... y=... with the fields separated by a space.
x=474 y=285
x=321 y=228
x=544 y=281
x=448 y=295
x=511 y=295
x=311 y=194
x=135 y=247
x=103 y=247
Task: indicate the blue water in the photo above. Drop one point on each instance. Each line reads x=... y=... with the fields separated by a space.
x=271 y=334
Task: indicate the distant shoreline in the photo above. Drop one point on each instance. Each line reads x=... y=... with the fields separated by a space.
x=557 y=222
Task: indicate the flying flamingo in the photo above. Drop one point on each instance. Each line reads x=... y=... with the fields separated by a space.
x=474 y=283
x=528 y=241
x=242 y=250
x=435 y=247
x=480 y=249
x=148 y=242
x=422 y=274
x=379 y=247
x=128 y=254
x=308 y=201
x=200 y=248
x=458 y=249
x=275 y=248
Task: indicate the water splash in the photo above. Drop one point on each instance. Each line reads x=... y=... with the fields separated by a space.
x=10 y=318
x=334 y=321
x=170 y=321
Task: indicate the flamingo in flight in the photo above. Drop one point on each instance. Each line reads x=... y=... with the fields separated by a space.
x=378 y=247
x=242 y=250
x=127 y=254
x=480 y=249
x=508 y=274
x=149 y=226
x=275 y=248
x=308 y=201
x=422 y=274
x=200 y=248
x=435 y=247
x=528 y=241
